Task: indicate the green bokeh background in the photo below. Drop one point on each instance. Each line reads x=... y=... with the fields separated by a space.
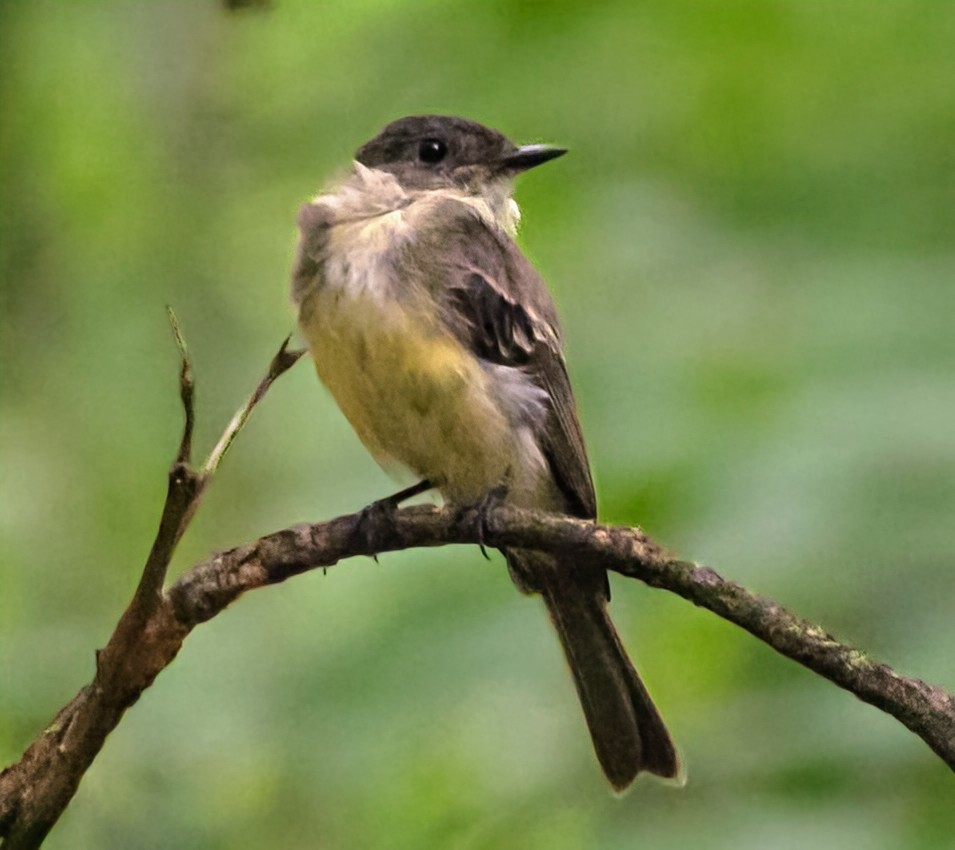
x=751 y=244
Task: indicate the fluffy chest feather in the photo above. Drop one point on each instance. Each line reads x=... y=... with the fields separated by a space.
x=414 y=395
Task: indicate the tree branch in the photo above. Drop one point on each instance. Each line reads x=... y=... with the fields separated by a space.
x=926 y=710
x=35 y=791
x=184 y=490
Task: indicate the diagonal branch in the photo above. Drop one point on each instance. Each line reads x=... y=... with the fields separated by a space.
x=35 y=791
x=183 y=492
x=925 y=709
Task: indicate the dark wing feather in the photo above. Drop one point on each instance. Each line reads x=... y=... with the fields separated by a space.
x=494 y=327
x=496 y=303
x=564 y=443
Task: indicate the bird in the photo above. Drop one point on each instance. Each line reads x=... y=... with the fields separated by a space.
x=440 y=343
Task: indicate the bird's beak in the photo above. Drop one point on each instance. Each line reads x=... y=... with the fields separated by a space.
x=529 y=156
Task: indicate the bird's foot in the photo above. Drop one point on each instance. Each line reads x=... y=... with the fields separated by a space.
x=377 y=516
x=493 y=498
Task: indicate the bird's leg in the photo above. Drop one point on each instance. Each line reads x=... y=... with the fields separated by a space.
x=493 y=498
x=392 y=502
x=382 y=510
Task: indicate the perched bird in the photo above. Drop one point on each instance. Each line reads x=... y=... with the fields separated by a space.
x=440 y=343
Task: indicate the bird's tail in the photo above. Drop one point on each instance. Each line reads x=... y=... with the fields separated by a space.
x=628 y=733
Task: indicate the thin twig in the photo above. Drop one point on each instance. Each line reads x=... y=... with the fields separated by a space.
x=282 y=362
x=186 y=389
x=183 y=491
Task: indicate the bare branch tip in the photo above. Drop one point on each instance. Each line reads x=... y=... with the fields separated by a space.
x=176 y=330
x=185 y=372
x=284 y=359
x=186 y=388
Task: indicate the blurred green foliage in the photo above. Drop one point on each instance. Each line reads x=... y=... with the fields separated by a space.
x=752 y=248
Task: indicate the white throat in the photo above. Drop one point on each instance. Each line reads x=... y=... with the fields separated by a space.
x=371 y=192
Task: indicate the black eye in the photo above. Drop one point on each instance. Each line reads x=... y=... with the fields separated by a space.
x=432 y=150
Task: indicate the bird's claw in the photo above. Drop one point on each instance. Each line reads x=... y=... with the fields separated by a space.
x=493 y=498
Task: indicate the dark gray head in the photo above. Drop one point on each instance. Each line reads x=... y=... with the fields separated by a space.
x=429 y=151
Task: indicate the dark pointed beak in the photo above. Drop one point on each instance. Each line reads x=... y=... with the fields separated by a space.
x=530 y=156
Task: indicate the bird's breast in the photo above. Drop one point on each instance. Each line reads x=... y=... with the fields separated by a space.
x=414 y=395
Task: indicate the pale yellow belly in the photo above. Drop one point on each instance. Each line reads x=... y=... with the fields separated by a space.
x=414 y=396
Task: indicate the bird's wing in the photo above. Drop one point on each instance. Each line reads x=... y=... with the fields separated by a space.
x=495 y=303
